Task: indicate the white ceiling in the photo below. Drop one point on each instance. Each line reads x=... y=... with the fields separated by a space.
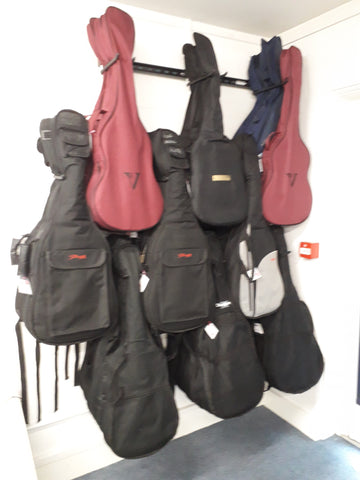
x=259 y=17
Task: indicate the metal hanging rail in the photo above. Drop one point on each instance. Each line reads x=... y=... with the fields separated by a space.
x=178 y=73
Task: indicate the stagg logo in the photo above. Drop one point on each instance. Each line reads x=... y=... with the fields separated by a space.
x=133 y=178
x=184 y=255
x=74 y=256
x=292 y=178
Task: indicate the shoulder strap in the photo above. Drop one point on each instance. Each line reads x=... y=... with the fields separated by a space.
x=67 y=362
x=248 y=150
x=218 y=268
x=76 y=367
x=278 y=233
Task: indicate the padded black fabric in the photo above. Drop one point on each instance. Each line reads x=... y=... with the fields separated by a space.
x=180 y=293
x=218 y=192
x=124 y=375
x=288 y=349
x=222 y=375
x=66 y=256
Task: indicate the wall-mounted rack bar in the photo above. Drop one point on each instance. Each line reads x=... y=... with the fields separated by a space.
x=178 y=73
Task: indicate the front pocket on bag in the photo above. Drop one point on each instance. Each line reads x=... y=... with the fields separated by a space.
x=184 y=295
x=78 y=291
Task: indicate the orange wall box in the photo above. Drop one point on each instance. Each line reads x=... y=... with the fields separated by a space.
x=309 y=250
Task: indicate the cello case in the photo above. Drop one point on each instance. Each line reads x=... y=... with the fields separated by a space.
x=122 y=192
x=66 y=257
x=251 y=253
x=218 y=192
x=124 y=375
x=221 y=373
x=180 y=293
x=265 y=82
x=287 y=347
x=286 y=194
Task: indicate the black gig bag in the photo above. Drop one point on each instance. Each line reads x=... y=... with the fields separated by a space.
x=288 y=349
x=218 y=192
x=217 y=366
x=251 y=252
x=124 y=375
x=180 y=293
x=66 y=293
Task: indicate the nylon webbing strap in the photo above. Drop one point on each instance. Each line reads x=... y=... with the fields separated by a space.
x=67 y=362
x=37 y=356
x=22 y=371
x=279 y=236
x=77 y=358
x=218 y=269
x=56 y=400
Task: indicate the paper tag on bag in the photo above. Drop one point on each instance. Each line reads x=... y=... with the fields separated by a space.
x=223 y=304
x=144 y=280
x=254 y=275
x=211 y=330
x=24 y=286
x=258 y=328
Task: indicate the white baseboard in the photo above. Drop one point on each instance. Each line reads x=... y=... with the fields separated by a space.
x=74 y=446
x=315 y=424
x=16 y=458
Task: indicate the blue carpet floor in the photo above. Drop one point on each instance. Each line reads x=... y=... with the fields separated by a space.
x=256 y=446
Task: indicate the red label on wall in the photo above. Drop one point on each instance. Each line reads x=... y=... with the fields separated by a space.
x=309 y=250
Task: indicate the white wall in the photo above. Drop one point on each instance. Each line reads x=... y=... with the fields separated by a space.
x=329 y=122
x=49 y=65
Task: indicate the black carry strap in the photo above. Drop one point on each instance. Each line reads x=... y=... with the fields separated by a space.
x=24 y=403
x=76 y=368
x=56 y=402
x=76 y=365
x=217 y=261
x=22 y=362
x=278 y=233
x=67 y=362
x=173 y=344
x=221 y=289
x=37 y=357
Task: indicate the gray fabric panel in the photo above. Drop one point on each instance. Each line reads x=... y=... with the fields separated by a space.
x=269 y=288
